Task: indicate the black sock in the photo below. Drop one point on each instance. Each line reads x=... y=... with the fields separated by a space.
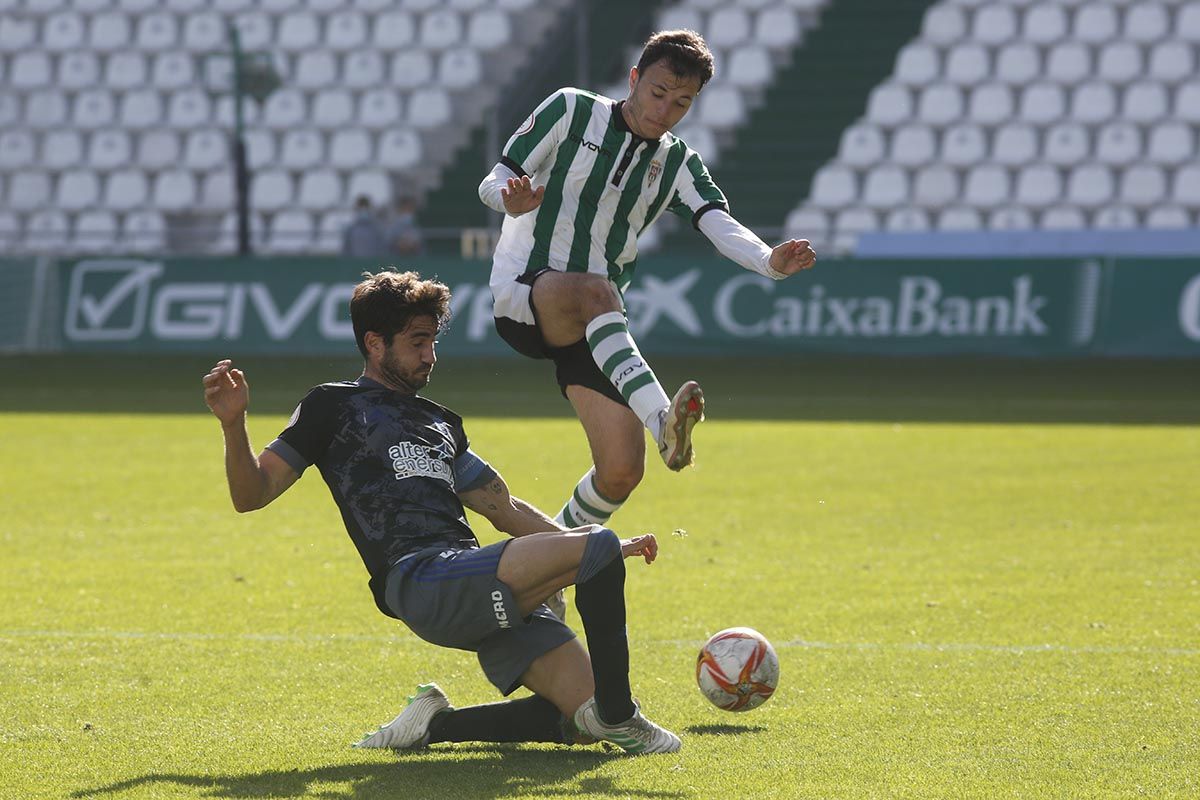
x=530 y=719
x=601 y=604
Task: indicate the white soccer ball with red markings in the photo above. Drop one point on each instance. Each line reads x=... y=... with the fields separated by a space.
x=737 y=669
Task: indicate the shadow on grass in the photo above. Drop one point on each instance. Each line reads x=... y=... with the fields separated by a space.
x=723 y=730
x=497 y=771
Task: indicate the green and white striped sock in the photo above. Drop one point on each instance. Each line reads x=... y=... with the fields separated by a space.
x=617 y=356
x=587 y=506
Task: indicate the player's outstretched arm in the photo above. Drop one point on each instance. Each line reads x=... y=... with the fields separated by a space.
x=253 y=482
x=508 y=514
x=792 y=256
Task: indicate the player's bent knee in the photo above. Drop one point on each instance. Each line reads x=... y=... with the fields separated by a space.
x=599 y=296
x=617 y=481
x=602 y=547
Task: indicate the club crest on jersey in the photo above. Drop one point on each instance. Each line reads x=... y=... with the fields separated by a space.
x=526 y=126
x=655 y=169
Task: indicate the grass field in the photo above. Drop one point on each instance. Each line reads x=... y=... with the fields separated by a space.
x=982 y=579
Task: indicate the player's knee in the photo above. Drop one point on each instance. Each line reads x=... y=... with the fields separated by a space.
x=599 y=296
x=617 y=480
x=603 y=546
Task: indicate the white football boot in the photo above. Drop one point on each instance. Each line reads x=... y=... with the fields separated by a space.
x=675 y=435
x=636 y=735
x=410 y=729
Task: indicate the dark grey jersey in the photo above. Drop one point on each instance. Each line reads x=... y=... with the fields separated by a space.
x=393 y=463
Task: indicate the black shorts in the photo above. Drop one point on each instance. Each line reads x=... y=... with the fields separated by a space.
x=573 y=364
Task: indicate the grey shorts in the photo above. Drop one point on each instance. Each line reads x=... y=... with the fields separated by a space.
x=452 y=597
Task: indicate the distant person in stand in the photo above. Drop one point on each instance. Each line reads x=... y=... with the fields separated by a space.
x=363 y=237
x=401 y=231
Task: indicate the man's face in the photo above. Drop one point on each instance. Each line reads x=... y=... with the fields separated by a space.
x=658 y=99
x=408 y=359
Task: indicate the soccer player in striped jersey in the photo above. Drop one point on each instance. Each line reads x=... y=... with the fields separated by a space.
x=577 y=182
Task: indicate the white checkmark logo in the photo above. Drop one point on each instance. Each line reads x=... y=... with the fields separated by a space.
x=87 y=312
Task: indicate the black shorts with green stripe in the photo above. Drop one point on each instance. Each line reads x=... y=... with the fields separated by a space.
x=573 y=364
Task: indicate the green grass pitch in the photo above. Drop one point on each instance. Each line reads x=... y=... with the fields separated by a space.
x=982 y=579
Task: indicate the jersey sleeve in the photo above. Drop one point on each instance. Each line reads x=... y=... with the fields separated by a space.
x=308 y=433
x=538 y=136
x=695 y=191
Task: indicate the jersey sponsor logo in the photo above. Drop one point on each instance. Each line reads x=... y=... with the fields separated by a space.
x=595 y=148
x=655 y=169
x=499 y=610
x=418 y=461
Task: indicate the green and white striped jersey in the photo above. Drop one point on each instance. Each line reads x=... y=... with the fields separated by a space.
x=604 y=186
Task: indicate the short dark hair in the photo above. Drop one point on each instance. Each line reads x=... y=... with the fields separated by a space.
x=686 y=53
x=388 y=301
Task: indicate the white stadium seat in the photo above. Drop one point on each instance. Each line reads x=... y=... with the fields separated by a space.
x=1171 y=143
x=63 y=32
x=960 y=219
x=994 y=24
x=345 y=31
x=940 y=104
x=907 y=220
x=459 y=69
x=1120 y=62
x=1018 y=63
x=1044 y=24
x=109 y=150
x=963 y=145
x=329 y=233
x=94 y=232
x=861 y=144
x=913 y=145
x=488 y=30
x=777 y=28
x=271 y=190
x=399 y=148
x=188 y=109
x=440 y=29
x=320 y=190
x=919 y=63
x=1038 y=185
x=77 y=190
x=217 y=191
x=332 y=108
x=967 y=64
x=16 y=149
x=1187 y=102
x=364 y=69
x=10 y=230
x=291 y=232
x=140 y=109
x=990 y=104
x=316 y=69
x=1118 y=144
x=45 y=109
x=806 y=223
x=1069 y=63
x=32 y=70
x=1143 y=186
x=1093 y=102
x=1063 y=218
x=174 y=190
x=173 y=70
x=47 y=230
x=298 y=31
x=285 y=109
x=1090 y=185
x=1067 y=144
x=855 y=220
x=379 y=109
x=1187 y=23
x=10 y=109
x=1171 y=61
x=987 y=186
x=62 y=149
x=144 y=232
x=1096 y=23
x=674 y=17
x=205 y=32
x=350 y=148
x=1145 y=102
x=721 y=107
x=885 y=186
x=77 y=70
x=393 y=31
x=1185 y=187
x=1146 y=22
x=1115 y=218
x=833 y=186
x=206 y=149
x=1013 y=218
x=727 y=27
x=373 y=184
x=125 y=70
x=935 y=186
x=889 y=105
x=1168 y=218
x=126 y=190
x=158 y=31
x=429 y=108
x=1042 y=103
x=158 y=149
x=944 y=25
x=260 y=148
x=17 y=34
x=256 y=30
x=412 y=69
x=301 y=149
x=750 y=67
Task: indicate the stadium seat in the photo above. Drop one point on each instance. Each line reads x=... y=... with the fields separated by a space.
x=399 y=148
x=412 y=69
x=281 y=6
x=260 y=148
x=78 y=71
x=109 y=150
x=959 y=219
x=63 y=32
x=807 y=223
x=186 y=6
x=1044 y=24
x=1171 y=143
x=1143 y=186
x=439 y=29
x=141 y=108
x=1069 y=63
x=223 y=114
x=45 y=109
x=1066 y=144
x=17 y=34
x=459 y=69
x=301 y=149
x=1168 y=218
x=205 y=32
x=488 y=30
x=935 y=186
x=173 y=70
x=371 y=183
x=1042 y=103
x=332 y=108
x=944 y=25
x=1115 y=218
x=963 y=145
x=350 y=148
x=1093 y=102
x=125 y=70
x=316 y=69
x=990 y=104
x=206 y=149
x=379 y=109
x=1145 y=102
x=1095 y=23
x=1118 y=144
x=320 y=190
x=188 y=109
x=46 y=230
x=855 y=221
x=967 y=64
x=889 y=105
x=1063 y=218
x=284 y=109
x=271 y=190
x=1018 y=63
x=393 y=30
x=682 y=15
x=125 y=190
x=290 y=232
x=255 y=30
x=156 y=32
x=76 y=190
x=1090 y=185
x=174 y=190
x=158 y=149
x=907 y=220
x=429 y=108
x=1171 y=61
x=750 y=67
x=31 y=70
x=94 y=232
x=144 y=232
x=1012 y=218
x=1185 y=188
x=10 y=231
x=16 y=149
x=217 y=191
x=940 y=104
x=1187 y=23
x=364 y=69
x=913 y=145
x=1038 y=186
x=919 y=63
x=994 y=24
x=10 y=109
x=1187 y=102
x=62 y=149
x=345 y=31
x=861 y=145
x=298 y=31
x=885 y=186
x=1146 y=23
x=329 y=234
x=833 y=186
x=777 y=28
x=728 y=26
x=1120 y=62
x=987 y=186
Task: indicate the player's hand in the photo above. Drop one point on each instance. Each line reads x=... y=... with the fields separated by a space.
x=645 y=546
x=226 y=392
x=520 y=197
x=793 y=256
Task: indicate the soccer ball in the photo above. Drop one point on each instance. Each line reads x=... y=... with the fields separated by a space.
x=737 y=669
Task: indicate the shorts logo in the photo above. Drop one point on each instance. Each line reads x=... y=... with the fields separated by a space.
x=655 y=169
x=498 y=608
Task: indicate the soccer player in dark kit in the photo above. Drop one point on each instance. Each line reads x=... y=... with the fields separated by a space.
x=401 y=469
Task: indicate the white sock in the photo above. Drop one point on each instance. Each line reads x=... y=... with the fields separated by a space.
x=617 y=355
x=586 y=506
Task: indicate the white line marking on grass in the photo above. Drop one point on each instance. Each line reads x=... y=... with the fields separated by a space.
x=804 y=644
